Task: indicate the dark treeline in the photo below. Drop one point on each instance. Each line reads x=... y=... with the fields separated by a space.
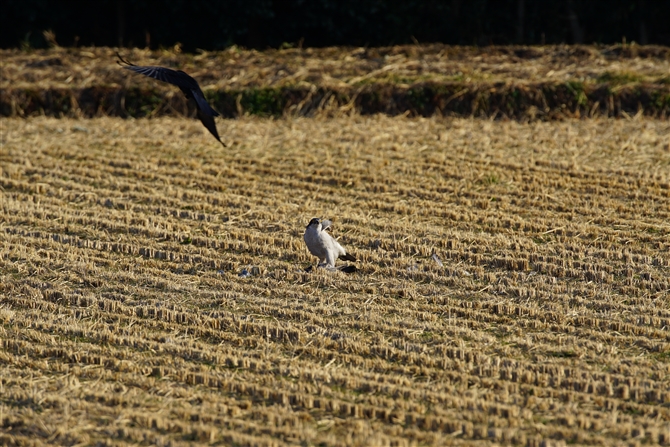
x=213 y=25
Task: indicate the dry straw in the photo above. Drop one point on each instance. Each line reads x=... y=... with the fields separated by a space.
x=523 y=83
x=123 y=318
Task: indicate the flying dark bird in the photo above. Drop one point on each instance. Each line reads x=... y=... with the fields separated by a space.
x=186 y=84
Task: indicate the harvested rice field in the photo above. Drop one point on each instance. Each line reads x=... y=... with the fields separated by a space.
x=513 y=283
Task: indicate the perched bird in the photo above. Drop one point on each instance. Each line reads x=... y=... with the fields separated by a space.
x=186 y=84
x=323 y=245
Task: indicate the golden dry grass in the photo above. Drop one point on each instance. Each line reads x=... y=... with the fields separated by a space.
x=124 y=318
x=335 y=67
x=521 y=83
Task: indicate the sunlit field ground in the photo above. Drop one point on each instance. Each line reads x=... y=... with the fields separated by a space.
x=513 y=283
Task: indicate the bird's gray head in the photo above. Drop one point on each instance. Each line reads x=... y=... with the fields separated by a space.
x=314 y=222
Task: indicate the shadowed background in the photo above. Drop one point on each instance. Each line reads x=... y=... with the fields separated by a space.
x=265 y=23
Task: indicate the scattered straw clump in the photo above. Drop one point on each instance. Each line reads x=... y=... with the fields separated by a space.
x=124 y=319
x=522 y=83
x=237 y=69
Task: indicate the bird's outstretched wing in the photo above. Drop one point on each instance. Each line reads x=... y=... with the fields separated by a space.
x=208 y=121
x=203 y=105
x=186 y=84
x=174 y=77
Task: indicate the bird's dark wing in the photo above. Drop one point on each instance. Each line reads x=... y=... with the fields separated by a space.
x=203 y=105
x=208 y=121
x=174 y=77
x=348 y=257
x=186 y=84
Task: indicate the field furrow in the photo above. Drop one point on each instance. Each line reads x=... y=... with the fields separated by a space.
x=513 y=282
